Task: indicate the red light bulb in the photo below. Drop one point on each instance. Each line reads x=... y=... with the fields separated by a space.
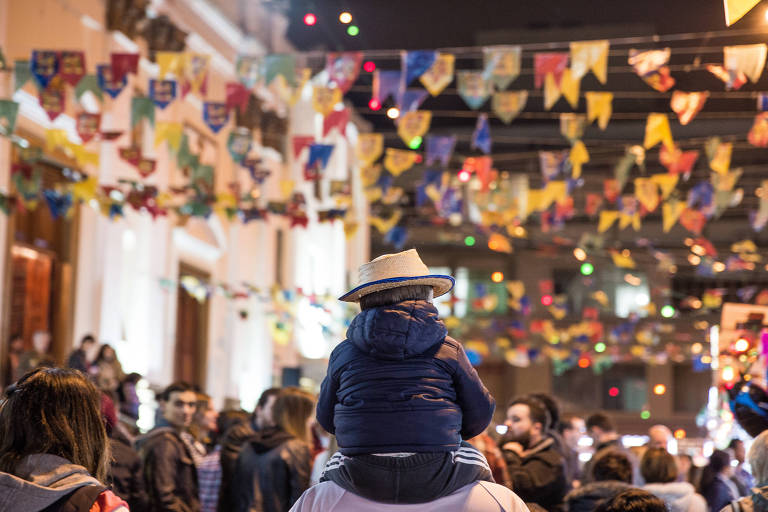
x=374 y=104
x=546 y=300
x=464 y=175
x=369 y=66
x=310 y=19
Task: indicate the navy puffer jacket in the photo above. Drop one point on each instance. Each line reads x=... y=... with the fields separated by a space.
x=399 y=384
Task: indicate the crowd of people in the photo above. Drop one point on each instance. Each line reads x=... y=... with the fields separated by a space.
x=401 y=423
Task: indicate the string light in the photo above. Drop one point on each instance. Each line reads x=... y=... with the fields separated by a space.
x=718 y=266
x=393 y=113
x=497 y=277
x=579 y=254
x=546 y=300
x=464 y=175
x=415 y=142
x=374 y=104
x=659 y=389
x=469 y=241
x=680 y=434
x=345 y=17
x=583 y=362
x=613 y=391
x=369 y=66
x=310 y=19
x=741 y=345
x=728 y=373
x=600 y=347
x=587 y=269
x=696 y=348
x=353 y=30
x=645 y=415
x=668 y=311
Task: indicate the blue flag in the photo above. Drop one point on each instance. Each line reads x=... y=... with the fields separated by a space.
x=440 y=148
x=762 y=101
x=162 y=92
x=411 y=99
x=44 y=66
x=107 y=83
x=481 y=138
x=215 y=115
x=417 y=63
x=318 y=154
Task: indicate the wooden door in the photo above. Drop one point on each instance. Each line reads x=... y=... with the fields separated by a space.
x=191 y=332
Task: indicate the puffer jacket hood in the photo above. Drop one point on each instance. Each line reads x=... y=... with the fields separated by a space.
x=397 y=332
x=43 y=479
x=589 y=496
x=679 y=496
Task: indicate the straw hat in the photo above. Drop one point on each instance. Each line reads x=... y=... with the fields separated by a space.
x=395 y=270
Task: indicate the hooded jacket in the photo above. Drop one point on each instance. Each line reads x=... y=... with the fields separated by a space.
x=757 y=502
x=125 y=473
x=272 y=471
x=538 y=474
x=45 y=480
x=590 y=496
x=399 y=384
x=231 y=445
x=170 y=475
x=679 y=496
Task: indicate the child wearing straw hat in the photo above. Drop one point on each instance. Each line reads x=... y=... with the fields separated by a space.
x=400 y=395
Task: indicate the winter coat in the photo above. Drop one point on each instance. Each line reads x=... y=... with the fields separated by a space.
x=170 y=475
x=757 y=502
x=538 y=475
x=477 y=497
x=399 y=384
x=271 y=472
x=719 y=494
x=590 y=496
x=231 y=445
x=125 y=474
x=679 y=496
x=50 y=481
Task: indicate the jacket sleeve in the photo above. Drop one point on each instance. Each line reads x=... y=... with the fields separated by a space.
x=138 y=499
x=298 y=472
x=477 y=404
x=326 y=401
x=536 y=477
x=160 y=477
x=242 y=487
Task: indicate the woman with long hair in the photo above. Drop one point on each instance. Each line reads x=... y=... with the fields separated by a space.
x=54 y=451
x=716 y=484
x=659 y=469
x=273 y=469
x=109 y=371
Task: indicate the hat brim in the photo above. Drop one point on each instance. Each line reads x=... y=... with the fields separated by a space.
x=440 y=284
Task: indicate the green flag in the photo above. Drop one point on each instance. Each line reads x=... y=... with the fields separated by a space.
x=184 y=157
x=141 y=108
x=280 y=65
x=8 y=111
x=21 y=74
x=89 y=83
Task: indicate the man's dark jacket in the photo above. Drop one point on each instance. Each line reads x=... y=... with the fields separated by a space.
x=272 y=472
x=170 y=475
x=588 y=497
x=399 y=384
x=125 y=474
x=231 y=445
x=538 y=475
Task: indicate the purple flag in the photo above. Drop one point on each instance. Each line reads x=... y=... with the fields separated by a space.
x=481 y=138
x=411 y=99
x=386 y=84
x=440 y=147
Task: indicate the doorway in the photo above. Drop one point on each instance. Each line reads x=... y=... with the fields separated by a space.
x=191 y=331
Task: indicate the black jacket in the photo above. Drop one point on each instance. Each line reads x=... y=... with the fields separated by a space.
x=272 y=472
x=125 y=474
x=170 y=475
x=231 y=445
x=398 y=384
x=590 y=496
x=538 y=475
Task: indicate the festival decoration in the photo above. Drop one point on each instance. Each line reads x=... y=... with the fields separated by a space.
x=343 y=69
x=439 y=75
x=687 y=104
x=325 y=99
x=652 y=67
x=473 y=87
x=748 y=59
x=414 y=124
x=590 y=56
x=501 y=65
x=397 y=161
x=657 y=130
x=507 y=105
x=481 y=138
x=599 y=107
x=736 y=9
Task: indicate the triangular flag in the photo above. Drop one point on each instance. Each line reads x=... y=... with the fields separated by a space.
x=545 y=64
x=44 y=65
x=170 y=132
x=747 y=58
x=719 y=154
x=440 y=148
x=300 y=142
x=415 y=64
x=507 y=105
x=72 y=66
x=88 y=126
x=414 y=124
x=736 y=9
x=237 y=95
x=607 y=219
x=552 y=92
x=569 y=86
x=600 y=107
x=657 y=130
x=411 y=99
x=9 y=109
x=170 y=62
x=122 y=64
x=89 y=83
x=162 y=92
x=325 y=99
x=481 y=138
x=590 y=55
x=687 y=104
x=318 y=154
x=677 y=161
x=337 y=119
x=369 y=148
x=758 y=134
x=195 y=74
x=622 y=259
x=666 y=182
x=439 y=75
x=385 y=225
x=397 y=161
x=572 y=125
x=142 y=108
x=732 y=79
x=502 y=64
x=651 y=66
x=386 y=84
x=692 y=220
x=473 y=88
x=578 y=157
x=280 y=65
x=22 y=72
x=647 y=193
x=343 y=68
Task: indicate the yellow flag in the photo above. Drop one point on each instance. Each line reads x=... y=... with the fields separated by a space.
x=169 y=132
x=55 y=138
x=572 y=125
x=370 y=175
x=727 y=181
x=324 y=99
x=578 y=157
x=507 y=105
x=622 y=259
x=607 y=219
x=370 y=146
x=196 y=70
x=647 y=193
x=657 y=130
x=736 y=9
x=555 y=191
x=373 y=194
x=600 y=107
x=397 y=161
x=535 y=199
x=590 y=55
x=551 y=91
x=670 y=212
x=286 y=188
x=83 y=156
x=170 y=62
x=721 y=161
x=439 y=75
x=384 y=226
x=666 y=182
x=85 y=190
x=629 y=219
x=747 y=58
x=350 y=229
x=414 y=124
x=569 y=86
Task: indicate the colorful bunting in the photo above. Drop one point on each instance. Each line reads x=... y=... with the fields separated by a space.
x=652 y=67
x=411 y=99
x=142 y=108
x=107 y=82
x=44 y=65
x=72 y=67
x=719 y=155
x=239 y=144
x=687 y=104
x=736 y=9
x=501 y=65
x=325 y=99
x=123 y=63
x=22 y=72
x=337 y=119
x=552 y=163
x=52 y=99
x=590 y=56
x=758 y=134
x=507 y=105
x=89 y=83
x=671 y=211
x=578 y=157
x=666 y=182
x=146 y=166
x=9 y=109
x=569 y=87
x=732 y=79
x=88 y=126
x=215 y=115
x=170 y=62
x=397 y=161
x=415 y=64
x=692 y=220
x=473 y=88
x=647 y=193
x=552 y=91
x=237 y=95
x=343 y=69
x=439 y=75
x=386 y=84
x=481 y=138
x=369 y=148
x=600 y=107
x=162 y=92
x=677 y=161
x=572 y=125
x=385 y=225
x=248 y=70
x=747 y=58
x=413 y=124
x=169 y=132
x=195 y=74
x=657 y=130
x=440 y=148
x=280 y=65
x=545 y=64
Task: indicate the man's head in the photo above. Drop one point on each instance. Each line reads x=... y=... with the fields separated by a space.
x=263 y=416
x=179 y=404
x=205 y=413
x=614 y=465
x=572 y=428
x=41 y=340
x=552 y=408
x=395 y=295
x=527 y=419
x=600 y=427
x=633 y=500
x=88 y=342
x=737 y=447
x=659 y=437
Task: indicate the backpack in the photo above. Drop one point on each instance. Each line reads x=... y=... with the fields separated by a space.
x=79 y=500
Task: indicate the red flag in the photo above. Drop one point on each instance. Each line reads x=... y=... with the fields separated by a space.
x=336 y=119
x=123 y=63
x=594 y=201
x=546 y=63
x=300 y=142
x=88 y=125
x=72 y=67
x=237 y=96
